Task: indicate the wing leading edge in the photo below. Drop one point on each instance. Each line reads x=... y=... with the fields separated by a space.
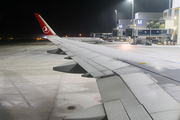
x=127 y=92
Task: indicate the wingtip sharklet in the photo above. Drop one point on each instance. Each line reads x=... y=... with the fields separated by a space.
x=44 y=26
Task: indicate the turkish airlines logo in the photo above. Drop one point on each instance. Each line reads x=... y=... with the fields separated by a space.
x=45 y=29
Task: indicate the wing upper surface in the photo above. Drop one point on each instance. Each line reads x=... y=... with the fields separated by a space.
x=125 y=88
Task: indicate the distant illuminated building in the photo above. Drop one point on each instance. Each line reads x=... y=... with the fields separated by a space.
x=172 y=17
x=145 y=20
x=123 y=25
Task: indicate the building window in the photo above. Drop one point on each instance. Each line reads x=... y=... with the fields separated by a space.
x=176 y=18
x=170 y=13
x=165 y=15
x=162 y=26
x=153 y=24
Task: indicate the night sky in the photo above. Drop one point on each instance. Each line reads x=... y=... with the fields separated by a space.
x=68 y=17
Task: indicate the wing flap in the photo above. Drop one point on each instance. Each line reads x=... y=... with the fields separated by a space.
x=113 y=89
x=114 y=109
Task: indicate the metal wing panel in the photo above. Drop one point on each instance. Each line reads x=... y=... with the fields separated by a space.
x=93 y=71
x=167 y=115
x=64 y=49
x=113 y=88
x=75 y=49
x=152 y=96
x=100 y=68
x=108 y=72
x=70 y=54
x=114 y=110
x=109 y=63
x=77 y=59
x=88 y=54
x=93 y=113
x=83 y=59
x=156 y=101
x=172 y=87
x=71 y=47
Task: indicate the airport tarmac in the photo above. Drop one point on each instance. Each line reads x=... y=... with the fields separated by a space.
x=31 y=90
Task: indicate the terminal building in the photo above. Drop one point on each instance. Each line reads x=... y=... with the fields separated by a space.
x=163 y=26
x=149 y=24
x=146 y=20
x=145 y=24
x=123 y=25
x=172 y=17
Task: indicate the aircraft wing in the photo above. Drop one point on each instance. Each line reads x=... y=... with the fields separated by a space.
x=86 y=39
x=130 y=89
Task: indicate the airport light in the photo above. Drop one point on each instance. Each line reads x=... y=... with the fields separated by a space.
x=116 y=17
x=39 y=38
x=132 y=2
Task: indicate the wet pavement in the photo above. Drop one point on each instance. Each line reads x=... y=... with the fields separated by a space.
x=31 y=90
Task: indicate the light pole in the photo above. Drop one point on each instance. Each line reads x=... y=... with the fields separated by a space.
x=132 y=2
x=169 y=4
x=116 y=18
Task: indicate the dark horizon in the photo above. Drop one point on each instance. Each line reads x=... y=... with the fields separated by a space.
x=71 y=17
